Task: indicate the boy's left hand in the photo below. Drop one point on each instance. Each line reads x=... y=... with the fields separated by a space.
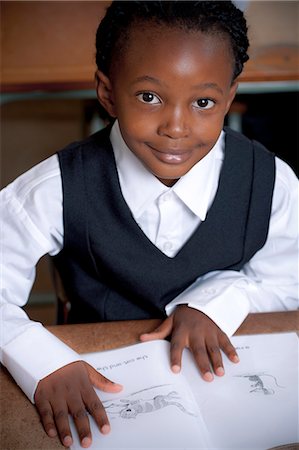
x=193 y=329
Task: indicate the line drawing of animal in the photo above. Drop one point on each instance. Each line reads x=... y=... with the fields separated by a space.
x=259 y=386
x=131 y=408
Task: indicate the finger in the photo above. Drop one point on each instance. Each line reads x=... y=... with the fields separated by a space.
x=79 y=414
x=177 y=346
x=201 y=357
x=61 y=418
x=215 y=357
x=227 y=347
x=101 y=382
x=96 y=409
x=46 y=416
x=161 y=332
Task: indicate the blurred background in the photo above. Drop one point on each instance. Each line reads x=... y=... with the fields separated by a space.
x=48 y=97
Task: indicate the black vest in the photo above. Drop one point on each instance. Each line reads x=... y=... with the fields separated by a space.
x=112 y=271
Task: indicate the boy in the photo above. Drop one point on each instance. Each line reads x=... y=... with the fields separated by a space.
x=164 y=213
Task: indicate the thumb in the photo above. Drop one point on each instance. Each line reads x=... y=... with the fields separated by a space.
x=101 y=382
x=161 y=332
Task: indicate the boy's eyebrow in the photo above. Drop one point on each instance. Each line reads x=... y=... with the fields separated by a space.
x=197 y=86
x=147 y=78
x=208 y=86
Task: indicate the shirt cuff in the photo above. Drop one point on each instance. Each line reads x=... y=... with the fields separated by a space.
x=226 y=304
x=33 y=355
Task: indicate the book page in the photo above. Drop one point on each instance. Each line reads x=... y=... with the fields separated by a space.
x=255 y=404
x=155 y=410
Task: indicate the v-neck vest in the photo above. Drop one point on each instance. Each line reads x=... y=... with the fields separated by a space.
x=112 y=271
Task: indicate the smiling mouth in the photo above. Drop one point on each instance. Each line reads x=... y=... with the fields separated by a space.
x=171 y=156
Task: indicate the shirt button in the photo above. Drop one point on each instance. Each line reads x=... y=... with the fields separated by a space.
x=167 y=246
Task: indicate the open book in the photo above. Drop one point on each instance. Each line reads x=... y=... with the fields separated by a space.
x=254 y=406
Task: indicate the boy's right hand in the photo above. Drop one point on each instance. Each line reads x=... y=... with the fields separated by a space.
x=69 y=390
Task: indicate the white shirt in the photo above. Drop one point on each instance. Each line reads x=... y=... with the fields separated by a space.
x=32 y=225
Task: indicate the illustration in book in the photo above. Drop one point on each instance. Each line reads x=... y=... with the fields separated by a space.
x=146 y=401
x=260 y=383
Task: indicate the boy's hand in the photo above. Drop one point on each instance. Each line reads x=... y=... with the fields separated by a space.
x=193 y=329
x=70 y=390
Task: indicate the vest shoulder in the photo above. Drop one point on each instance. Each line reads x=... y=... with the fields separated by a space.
x=99 y=139
x=235 y=138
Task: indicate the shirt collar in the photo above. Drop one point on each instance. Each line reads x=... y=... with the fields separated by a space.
x=197 y=188
x=139 y=187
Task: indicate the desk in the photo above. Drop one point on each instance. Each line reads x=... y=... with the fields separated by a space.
x=20 y=425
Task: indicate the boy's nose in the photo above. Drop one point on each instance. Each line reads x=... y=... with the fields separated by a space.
x=174 y=124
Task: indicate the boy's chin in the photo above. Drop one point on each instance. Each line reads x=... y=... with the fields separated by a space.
x=168 y=181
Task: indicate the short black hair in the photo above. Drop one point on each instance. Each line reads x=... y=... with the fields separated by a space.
x=211 y=17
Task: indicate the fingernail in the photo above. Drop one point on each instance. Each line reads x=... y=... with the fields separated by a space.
x=105 y=429
x=208 y=376
x=236 y=359
x=219 y=371
x=86 y=442
x=144 y=336
x=52 y=432
x=175 y=368
x=67 y=441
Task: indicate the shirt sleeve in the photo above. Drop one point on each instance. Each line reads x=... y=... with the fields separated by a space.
x=31 y=226
x=269 y=281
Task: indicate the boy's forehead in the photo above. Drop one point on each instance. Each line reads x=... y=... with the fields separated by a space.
x=151 y=34
x=149 y=39
x=161 y=49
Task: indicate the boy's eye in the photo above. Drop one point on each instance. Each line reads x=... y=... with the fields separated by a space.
x=204 y=103
x=148 y=97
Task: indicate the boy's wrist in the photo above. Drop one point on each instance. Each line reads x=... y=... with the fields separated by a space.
x=33 y=355
x=225 y=303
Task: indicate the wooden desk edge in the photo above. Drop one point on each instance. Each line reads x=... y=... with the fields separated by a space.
x=104 y=336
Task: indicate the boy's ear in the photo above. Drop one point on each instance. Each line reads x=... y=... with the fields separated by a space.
x=231 y=96
x=104 y=92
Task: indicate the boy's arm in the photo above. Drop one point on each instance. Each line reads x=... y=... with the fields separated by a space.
x=28 y=212
x=220 y=301
x=269 y=281
x=47 y=370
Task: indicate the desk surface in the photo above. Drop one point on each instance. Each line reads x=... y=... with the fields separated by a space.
x=20 y=425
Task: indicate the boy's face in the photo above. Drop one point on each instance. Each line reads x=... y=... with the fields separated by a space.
x=170 y=90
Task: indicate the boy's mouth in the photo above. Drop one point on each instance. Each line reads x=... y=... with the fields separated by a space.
x=171 y=156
